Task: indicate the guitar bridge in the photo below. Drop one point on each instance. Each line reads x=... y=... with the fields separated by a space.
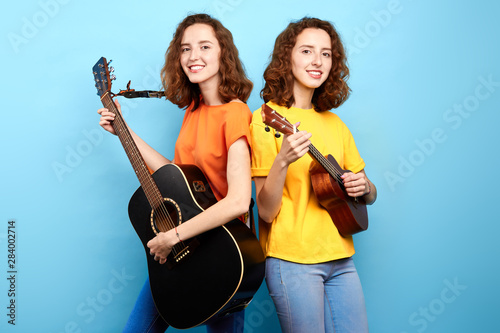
x=181 y=252
x=185 y=252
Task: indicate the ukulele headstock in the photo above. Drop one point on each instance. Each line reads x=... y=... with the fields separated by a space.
x=273 y=119
x=102 y=76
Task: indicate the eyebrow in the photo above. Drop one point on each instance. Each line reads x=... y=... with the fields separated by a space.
x=311 y=47
x=200 y=42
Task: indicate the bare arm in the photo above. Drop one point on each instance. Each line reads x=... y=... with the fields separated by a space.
x=153 y=159
x=269 y=190
x=235 y=204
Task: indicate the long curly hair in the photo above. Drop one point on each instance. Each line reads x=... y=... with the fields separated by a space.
x=234 y=82
x=279 y=77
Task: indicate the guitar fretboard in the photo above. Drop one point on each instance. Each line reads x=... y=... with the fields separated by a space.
x=148 y=184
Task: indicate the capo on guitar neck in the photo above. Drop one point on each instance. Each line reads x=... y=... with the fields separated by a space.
x=131 y=93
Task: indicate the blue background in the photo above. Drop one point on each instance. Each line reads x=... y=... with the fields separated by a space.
x=424 y=109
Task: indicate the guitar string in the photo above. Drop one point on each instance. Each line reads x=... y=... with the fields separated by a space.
x=162 y=214
x=163 y=219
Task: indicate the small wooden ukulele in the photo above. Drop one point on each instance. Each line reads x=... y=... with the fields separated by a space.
x=348 y=214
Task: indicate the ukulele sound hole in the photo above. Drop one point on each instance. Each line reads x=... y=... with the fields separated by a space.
x=165 y=217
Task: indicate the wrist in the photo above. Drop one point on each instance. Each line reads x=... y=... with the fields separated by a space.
x=169 y=238
x=281 y=162
x=369 y=187
x=178 y=238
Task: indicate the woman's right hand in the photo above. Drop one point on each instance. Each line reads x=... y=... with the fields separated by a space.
x=107 y=118
x=295 y=146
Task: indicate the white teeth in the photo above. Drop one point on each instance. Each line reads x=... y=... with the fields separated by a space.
x=195 y=68
x=315 y=73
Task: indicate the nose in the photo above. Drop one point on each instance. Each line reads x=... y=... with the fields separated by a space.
x=317 y=61
x=194 y=54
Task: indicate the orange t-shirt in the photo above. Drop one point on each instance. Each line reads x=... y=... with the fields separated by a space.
x=205 y=137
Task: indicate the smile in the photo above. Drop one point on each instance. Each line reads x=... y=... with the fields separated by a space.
x=196 y=68
x=315 y=74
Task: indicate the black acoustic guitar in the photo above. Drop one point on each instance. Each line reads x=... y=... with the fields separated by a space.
x=212 y=274
x=348 y=214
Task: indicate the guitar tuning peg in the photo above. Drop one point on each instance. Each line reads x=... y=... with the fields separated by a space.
x=111 y=69
x=267 y=129
x=277 y=135
x=113 y=77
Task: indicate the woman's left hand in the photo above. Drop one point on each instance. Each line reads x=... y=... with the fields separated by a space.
x=356 y=184
x=159 y=247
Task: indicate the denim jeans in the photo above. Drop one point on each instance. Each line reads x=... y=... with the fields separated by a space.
x=325 y=297
x=145 y=319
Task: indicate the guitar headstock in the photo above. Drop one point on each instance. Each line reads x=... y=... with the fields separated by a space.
x=102 y=76
x=273 y=119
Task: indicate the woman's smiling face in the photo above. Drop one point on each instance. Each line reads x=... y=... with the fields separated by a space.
x=311 y=58
x=200 y=54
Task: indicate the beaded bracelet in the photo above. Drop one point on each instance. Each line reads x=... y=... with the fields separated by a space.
x=177 y=234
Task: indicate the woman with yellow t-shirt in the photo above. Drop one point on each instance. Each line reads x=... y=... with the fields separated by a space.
x=309 y=270
x=202 y=73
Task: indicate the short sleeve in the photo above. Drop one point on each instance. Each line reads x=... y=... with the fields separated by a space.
x=352 y=158
x=264 y=146
x=237 y=123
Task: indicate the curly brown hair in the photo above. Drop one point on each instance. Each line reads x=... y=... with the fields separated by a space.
x=279 y=77
x=234 y=82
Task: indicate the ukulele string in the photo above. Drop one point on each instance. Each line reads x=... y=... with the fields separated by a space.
x=332 y=170
x=163 y=219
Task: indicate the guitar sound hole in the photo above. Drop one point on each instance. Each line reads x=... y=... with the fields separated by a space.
x=165 y=217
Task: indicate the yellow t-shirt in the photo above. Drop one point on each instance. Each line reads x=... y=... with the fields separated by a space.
x=303 y=231
x=205 y=137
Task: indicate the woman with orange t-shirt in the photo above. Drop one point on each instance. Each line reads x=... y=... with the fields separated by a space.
x=202 y=73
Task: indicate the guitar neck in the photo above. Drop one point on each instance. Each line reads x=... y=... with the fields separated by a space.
x=141 y=170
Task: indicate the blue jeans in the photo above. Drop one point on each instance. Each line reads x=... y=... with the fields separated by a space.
x=145 y=318
x=325 y=297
